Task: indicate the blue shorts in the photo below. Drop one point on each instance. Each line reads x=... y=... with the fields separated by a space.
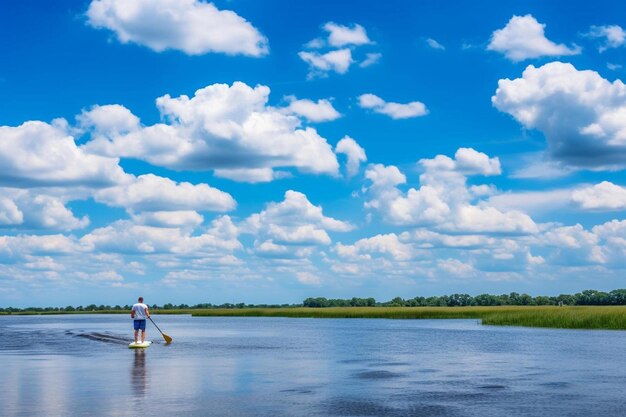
x=140 y=324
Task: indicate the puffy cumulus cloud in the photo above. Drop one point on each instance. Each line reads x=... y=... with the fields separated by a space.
x=353 y=152
x=393 y=110
x=17 y=247
x=388 y=244
x=581 y=114
x=573 y=245
x=10 y=214
x=338 y=61
x=41 y=154
x=490 y=219
x=340 y=35
x=30 y=209
x=602 y=196
x=192 y=26
x=320 y=111
x=523 y=38
x=182 y=218
x=108 y=120
x=613 y=36
x=443 y=200
x=153 y=193
x=294 y=221
x=471 y=162
x=126 y=237
x=339 y=44
x=222 y=127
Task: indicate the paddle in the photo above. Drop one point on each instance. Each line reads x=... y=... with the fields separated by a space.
x=168 y=339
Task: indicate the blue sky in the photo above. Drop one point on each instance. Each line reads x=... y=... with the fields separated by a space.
x=271 y=151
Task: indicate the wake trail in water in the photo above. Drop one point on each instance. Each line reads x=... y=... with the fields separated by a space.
x=103 y=337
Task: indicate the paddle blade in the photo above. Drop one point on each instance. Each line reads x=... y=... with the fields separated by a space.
x=168 y=339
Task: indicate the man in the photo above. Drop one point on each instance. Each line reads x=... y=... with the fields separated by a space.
x=139 y=313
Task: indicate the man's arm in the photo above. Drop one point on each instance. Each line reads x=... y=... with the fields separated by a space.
x=147 y=312
x=132 y=313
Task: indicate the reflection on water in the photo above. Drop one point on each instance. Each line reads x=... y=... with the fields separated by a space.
x=81 y=366
x=139 y=373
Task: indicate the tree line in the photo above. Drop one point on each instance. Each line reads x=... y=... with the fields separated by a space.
x=583 y=298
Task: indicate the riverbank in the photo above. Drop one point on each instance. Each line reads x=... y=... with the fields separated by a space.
x=570 y=317
x=578 y=317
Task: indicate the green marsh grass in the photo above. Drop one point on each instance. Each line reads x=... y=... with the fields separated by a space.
x=574 y=317
x=578 y=317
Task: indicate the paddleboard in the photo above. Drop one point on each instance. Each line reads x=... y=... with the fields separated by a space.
x=139 y=345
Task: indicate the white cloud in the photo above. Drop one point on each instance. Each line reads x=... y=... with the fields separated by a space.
x=40 y=245
x=476 y=219
x=388 y=244
x=129 y=238
x=602 y=196
x=320 y=111
x=471 y=162
x=294 y=221
x=533 y=202
x=354 y=153
x=10 y=214
x=340 y=44
x=581 y=114
x=43 y=211
x=153 y=193
x=252 y=175
x=338 y=61
x=340 y=35
x=183 y=218
x=574 y=246
x=192 y=26
x=370 y=59
x=41 y=154
x=523 y=38
x=434 y=44
x=393 y=110
x=613 y=35
x=226 y=128
x=35 y=209
x=443 y=200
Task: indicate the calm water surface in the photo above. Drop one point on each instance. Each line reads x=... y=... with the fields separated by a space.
x=81 y=366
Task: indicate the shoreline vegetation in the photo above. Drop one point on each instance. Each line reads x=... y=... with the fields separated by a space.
x=566 y=317
x=589 y=309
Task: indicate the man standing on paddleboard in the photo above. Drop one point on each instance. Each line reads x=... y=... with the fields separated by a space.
x=139 y=313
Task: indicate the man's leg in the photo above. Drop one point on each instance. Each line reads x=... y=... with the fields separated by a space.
x=136 y=332
x=143 y=335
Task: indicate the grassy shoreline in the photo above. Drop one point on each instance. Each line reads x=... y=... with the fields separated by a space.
x=578 y=317
x=574 y=317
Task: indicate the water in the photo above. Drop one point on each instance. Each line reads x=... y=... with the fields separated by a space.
x=80 y=366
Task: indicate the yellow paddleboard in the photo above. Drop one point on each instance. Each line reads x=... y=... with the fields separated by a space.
x=139 y=345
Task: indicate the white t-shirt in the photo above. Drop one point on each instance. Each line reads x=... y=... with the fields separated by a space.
x=140 y=311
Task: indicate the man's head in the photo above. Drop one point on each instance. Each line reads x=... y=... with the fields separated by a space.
x=140 y=299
